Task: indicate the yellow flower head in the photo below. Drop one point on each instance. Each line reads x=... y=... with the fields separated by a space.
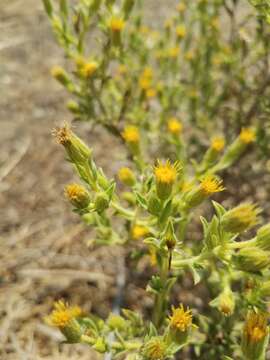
x=89 y=68
x=145 y=83
x=63 y=135
x=166 y=173
x=139 y=232
x=181 y=7
x=255 y=328
x=74 y=191
x=117 y=24
x=218 y=143
x=247 y=135
x=174 y=52
x=150 y=93
x=211 y=184
x=175 y=126
x=126 y=175
x=148 y=73
x=181 y=319
x=62 y=314
x=131 y=134
x=154 y=349
x=181 y=31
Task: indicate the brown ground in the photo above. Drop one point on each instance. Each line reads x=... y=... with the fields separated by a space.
x=43 y=246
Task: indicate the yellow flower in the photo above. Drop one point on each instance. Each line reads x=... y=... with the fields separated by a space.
x=218 y=143
x=247 y=135
x=145 y=83
x=77 y=195
x=255 y=328
x=89 y=68
x=166 y=173
x=150 y=93
x=131 y=134
x=58 y=72
x=174 y=52
x=139 y=232
x=181 y=319
x=174 y=126
x=181 y=7
x=181 y=31
x=117 y=24
x=63 y=314
x=126 y=175
x=211 y=184
x=148 y=73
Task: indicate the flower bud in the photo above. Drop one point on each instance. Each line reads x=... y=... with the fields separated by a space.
x=263 y=237
x=77 y=195
x=166 y=175
x=255 y=336
x=252 y=259
x=154 y=206
x=100 y=345
x=236 y=149
x=127 y=7
x=240 y=218
x=181 y=31
x=154 y=349
x=116 y=26
x=73 y=107
x=126 y=176
x=212 y=154
x=116 y=322
x=101 y=202
x=131 y=136
x=208 y=186
x=60 y=75
x=225 y=302
x=88 y=69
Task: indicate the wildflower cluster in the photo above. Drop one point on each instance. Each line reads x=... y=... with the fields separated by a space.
x=179 y=78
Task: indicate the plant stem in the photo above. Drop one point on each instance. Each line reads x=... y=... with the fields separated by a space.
x=161 y=299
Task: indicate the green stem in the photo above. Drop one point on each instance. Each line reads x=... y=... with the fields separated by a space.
x=161 y=299
x=242 y=244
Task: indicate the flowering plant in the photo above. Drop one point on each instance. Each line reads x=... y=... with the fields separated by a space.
x=158 y=200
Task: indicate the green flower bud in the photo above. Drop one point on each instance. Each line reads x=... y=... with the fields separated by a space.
x=252 y=259
x=154 y=206
x=263 y=237
x=77 y=195
x=255 y=336
x=73 y=107
x=100 y=345
x=225 y=302
x=60 y=75
x=101 y=202
x=126 y=176
x=240 y=218
x=116 y=322
x=154 y=349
